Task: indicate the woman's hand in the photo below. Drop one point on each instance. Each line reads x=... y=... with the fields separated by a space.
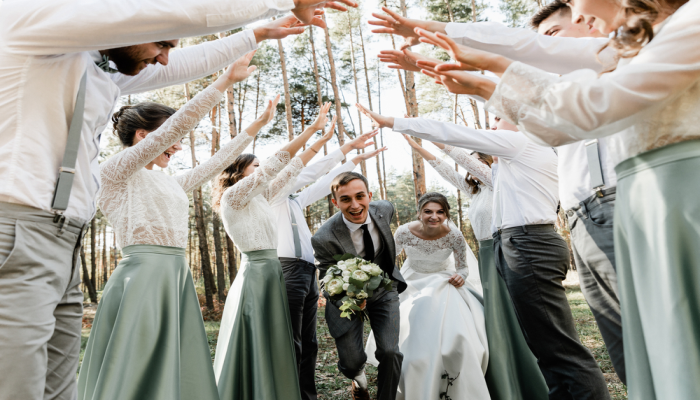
x=459 y=82
x=378 y=121
x=322 y=118
x=456 y=280
x=395 y=24
x=411 y=142
x=285 y=26
x=264 y=118
x=237 y=72
x=468 y=59
x=367 y=155
x=397 y=60
x=328 y=135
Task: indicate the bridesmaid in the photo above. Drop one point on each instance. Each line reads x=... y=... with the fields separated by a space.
x=148 y=340
x=255 y=353
x=512 y=373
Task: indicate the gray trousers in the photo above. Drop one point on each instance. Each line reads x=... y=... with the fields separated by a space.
x=41 y=305
x=591 y=226
x=533 y=261
x=383 y=311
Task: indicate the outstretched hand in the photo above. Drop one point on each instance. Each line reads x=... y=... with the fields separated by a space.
x=285 y=26
x=378 y=120
x=322 y=118
x=239 y=71
x=467 y=58
x=305 y=10
x=395 y=24
x=362 y=141
x=269 y=112
x=458 y=82
x=412 y=142
x=367 y=155
x=398 y=60
x=328 y=135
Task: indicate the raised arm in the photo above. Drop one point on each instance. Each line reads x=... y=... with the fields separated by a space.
x=239 y=195
x=471 y=163
x=227 y=154
x=46 y=27
x=130 y=160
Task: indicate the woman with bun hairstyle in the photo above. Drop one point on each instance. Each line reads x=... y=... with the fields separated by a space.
x=148 y=339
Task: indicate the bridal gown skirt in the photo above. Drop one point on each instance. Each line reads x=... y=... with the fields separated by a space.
x=255 y=357
x=657 y=249
x=513 y=373
x=148 y=339
x=442 y=331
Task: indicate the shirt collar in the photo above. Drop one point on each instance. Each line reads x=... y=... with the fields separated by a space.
x=353 y=226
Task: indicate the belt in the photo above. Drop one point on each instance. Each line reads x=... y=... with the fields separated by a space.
x=290 y=260
x=599 y=195
x=526 y=229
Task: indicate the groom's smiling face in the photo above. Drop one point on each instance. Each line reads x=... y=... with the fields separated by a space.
x=353 y=201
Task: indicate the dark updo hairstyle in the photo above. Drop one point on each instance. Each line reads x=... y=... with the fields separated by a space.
x=228 y=177
x=434 y=197
x=147 y=116
x=472 y=182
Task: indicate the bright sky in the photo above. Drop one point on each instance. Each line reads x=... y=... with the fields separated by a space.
x=398 y=156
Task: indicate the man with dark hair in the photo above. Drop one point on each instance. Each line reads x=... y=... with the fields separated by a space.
x=63 y=66
x=363 y=230
x=555 y=19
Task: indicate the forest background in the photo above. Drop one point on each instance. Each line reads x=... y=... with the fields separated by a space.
x=337 y=64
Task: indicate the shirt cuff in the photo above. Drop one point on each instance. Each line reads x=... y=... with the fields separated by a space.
x=283 y=5
x=402 y=124
x=337 y=156
x=521 y=85
x=249 y=38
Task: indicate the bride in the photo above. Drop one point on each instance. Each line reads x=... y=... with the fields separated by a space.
x=442 y=332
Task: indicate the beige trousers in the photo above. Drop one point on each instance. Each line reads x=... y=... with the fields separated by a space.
x=41 y=305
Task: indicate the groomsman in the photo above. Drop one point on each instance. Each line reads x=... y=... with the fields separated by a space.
x=296 y=253
x=63 y=66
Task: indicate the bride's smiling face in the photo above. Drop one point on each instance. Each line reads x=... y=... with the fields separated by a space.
x=432 y=215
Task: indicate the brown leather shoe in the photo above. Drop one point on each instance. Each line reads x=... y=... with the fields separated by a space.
x=358 y=393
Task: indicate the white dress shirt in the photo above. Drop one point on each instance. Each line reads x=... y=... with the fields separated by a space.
x=320 y=179
x=648 y=102
x=559 y=55
x=46 y=45
x=357 y=235
x=526 y=189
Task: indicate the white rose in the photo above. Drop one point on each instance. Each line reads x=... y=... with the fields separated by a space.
x=346 y=286
x=327 y=278
x=346 y=274
x=362 y=295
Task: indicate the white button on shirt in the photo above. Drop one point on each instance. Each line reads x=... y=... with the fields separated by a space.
x=40 y=71
x=357 y=235
x=526 y=187
x=320 y=179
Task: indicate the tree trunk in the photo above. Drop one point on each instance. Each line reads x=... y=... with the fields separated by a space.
x=382 y=192
x=104 y=253
x=201 y=228
x=218 y=251
x=287 y=94
x=232 y=129
x=363 y=166
x=232 y=268
x=398 y=72
x=334 y=85
x=86 y=277
x=381 y=131
x=93 y=258
x=418 y=164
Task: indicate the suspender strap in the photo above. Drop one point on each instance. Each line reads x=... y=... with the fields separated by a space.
x=66 y=173
x=295 y=229
x=594 y=168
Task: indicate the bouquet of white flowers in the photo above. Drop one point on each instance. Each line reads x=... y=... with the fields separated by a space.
x=353 y=280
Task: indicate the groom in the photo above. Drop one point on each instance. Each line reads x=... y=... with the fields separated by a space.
x=362 y=229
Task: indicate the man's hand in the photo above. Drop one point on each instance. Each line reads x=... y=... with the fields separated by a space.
x=395 y=24
x=366 y=156
x=397 y=60
x=305 y=10
x=239 y=71
x=283 y=27
x=468 y=59
x=360 y=142
x=378 y=121
x=458 y=82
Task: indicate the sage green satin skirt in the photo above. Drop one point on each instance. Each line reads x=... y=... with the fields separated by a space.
x=513 y=373
x=148 y=339
x=657 y=249
x=255 y=357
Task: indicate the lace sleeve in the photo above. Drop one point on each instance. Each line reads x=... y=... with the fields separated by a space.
x=459 y=247
x=284 y=182
x=470 y=163
x=449 y=174
x=400 y=238
x=239 y=195
x=217 y=163
x=130 y=160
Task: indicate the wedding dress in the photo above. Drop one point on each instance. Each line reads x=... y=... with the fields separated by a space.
x=442 y=329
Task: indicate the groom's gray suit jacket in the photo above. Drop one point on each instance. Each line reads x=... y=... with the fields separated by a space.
x=333 y=238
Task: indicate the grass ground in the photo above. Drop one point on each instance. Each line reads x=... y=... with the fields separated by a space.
x=331 y=384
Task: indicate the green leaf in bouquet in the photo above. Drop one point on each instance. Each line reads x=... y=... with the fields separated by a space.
x=370 y=293
x=346 y=314
x=374 y=282
x=387 y=285
x=353 y=289
x=356 y=282
x=346 y=256
x=355 y=307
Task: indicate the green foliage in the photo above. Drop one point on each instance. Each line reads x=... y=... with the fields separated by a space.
x=517 y=12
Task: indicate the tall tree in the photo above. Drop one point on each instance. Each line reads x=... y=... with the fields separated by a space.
x=215 y=221
x=104 y=250
x=201 y=226
x=287 y=93
x=93 y=254
x=334 y=85
x=92 y=293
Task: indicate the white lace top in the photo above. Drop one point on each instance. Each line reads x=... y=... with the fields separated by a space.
x=649 y=101
x=481 y=207
x=151 y=207
x=428 y=256
x=245 y=207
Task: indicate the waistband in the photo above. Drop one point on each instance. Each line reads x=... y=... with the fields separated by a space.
x=260 y=254
x=152 y=249
x=485 y=243
x=26 y=213
x=543 y=228
x=601 y=196
x=292 y=260
x=654 y=158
